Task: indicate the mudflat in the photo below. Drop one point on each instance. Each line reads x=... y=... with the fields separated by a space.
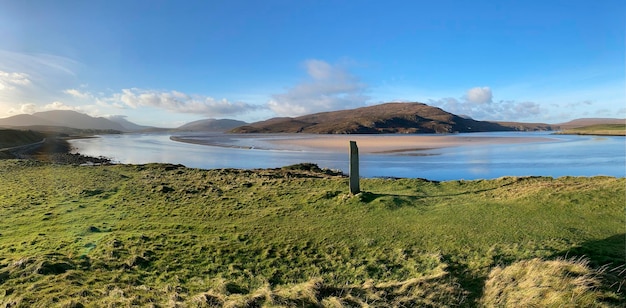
x=396 y=143
x=339 y=143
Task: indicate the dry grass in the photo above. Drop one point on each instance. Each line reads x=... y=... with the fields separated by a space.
x=540 y=283
x=438 y=290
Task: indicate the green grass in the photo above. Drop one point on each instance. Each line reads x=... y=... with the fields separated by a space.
x=167 y=235
x=599 y=129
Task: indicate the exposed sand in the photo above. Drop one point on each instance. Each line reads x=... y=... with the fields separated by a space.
x=396 y=143
x=340 y=143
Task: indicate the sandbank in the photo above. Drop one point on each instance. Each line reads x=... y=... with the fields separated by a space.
x=397 y=143
x=367 y=143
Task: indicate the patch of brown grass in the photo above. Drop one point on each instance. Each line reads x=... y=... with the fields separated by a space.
x=438 y=290
x=540 y=283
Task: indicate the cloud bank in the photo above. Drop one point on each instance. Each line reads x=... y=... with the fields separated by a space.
x=478 y=104
x=327 y=88
x=172 y=101
x=175 y=101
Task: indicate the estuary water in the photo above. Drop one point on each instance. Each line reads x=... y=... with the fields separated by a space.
x=560 y=155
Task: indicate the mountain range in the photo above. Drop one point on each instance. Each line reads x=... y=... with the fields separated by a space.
x=383 y=118
x=61 y=118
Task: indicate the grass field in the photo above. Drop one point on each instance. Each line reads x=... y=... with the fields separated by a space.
x=165 y=235
x=600 y=129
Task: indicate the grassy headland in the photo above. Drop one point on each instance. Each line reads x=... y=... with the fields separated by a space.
x=166 y=235
x=599 y=129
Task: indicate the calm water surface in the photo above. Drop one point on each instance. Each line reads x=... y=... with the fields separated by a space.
x=562 y=156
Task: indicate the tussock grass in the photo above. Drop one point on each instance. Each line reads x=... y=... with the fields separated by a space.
x=166 y=235
x=546 y=283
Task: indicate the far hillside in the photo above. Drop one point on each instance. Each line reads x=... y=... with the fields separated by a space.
x=384 y=119
x=12 y=138
x=211 y=125
x=67 y=120
x=598 y=129
x=590 y=121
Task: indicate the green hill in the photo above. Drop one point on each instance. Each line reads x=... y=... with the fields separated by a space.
x=166 y=235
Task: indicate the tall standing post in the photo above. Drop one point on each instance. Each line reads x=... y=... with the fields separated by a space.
x=354 y=168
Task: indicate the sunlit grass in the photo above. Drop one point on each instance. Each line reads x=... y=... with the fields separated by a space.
x=169 y=235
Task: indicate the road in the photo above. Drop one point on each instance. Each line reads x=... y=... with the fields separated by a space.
x=23 y=146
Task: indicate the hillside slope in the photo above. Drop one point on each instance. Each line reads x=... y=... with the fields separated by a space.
x=211 y=125
x=384 y=118
x=12 y=138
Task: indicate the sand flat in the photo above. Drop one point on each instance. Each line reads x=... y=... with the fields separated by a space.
x=395 y=143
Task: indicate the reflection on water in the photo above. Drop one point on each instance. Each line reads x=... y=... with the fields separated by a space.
x=566 y=155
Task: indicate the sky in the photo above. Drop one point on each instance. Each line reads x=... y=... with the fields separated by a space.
x=166 y=63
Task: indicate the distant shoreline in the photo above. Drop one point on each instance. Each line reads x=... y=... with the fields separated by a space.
x=582 y=133
x=596 y=130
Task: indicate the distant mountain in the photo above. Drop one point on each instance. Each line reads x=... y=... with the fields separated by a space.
x=590 y=121
x=384 y=118
x=26 y=120
x=70 y=119
x=128 y=125
x=211 y=125
x=75 y=119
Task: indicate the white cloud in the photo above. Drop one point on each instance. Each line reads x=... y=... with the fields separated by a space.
x=478 y=103
x=8 y=80
x=78 y=94
x=28 y=108
x=479 y=95
x=56 y=105
x=30 y=81
x=179 y=102
x=327 y=88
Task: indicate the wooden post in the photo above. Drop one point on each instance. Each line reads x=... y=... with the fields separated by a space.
x=354 y=168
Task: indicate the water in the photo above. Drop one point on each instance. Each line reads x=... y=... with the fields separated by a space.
x=562 y=156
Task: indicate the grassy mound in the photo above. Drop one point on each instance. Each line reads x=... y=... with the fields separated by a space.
x=166 y=235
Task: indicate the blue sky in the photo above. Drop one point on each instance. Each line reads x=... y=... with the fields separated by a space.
x=165 y=63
